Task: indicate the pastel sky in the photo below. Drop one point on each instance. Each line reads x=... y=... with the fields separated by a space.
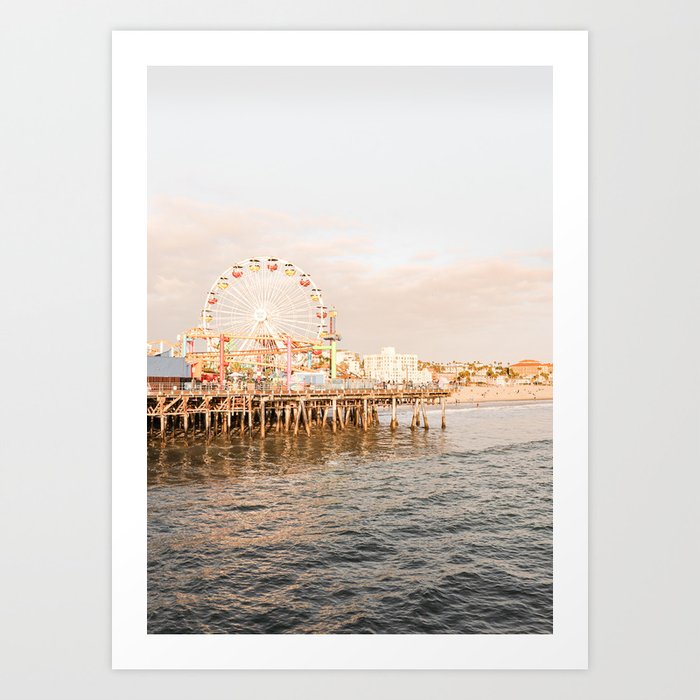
x=418 y=199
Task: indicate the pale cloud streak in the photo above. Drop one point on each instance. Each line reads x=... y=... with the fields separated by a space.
x=489 y=308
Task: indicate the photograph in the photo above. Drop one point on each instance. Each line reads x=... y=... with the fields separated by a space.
x=350 y=378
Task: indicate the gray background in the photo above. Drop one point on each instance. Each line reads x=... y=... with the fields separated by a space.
x=55 y=285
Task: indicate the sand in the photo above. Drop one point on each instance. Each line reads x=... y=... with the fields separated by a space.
x=523 y=392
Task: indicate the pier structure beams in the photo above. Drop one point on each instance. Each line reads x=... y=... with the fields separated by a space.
x=224 y=414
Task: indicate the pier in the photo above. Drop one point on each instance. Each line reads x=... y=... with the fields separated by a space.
x=208 y=413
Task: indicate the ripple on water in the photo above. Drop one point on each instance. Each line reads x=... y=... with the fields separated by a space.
x=401 y=532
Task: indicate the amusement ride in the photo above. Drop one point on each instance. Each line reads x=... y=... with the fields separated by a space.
x=263 y=318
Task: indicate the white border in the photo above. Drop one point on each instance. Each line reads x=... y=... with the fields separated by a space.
x=132 y=53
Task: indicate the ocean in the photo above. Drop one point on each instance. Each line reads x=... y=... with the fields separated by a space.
x=377 y=532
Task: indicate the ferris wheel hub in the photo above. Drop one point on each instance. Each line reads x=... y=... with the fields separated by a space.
x=260 y=315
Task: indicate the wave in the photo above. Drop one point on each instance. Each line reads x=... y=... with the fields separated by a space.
x=500 y=449
x=500 y=407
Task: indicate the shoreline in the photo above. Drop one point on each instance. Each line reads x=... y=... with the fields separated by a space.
x=483 y=394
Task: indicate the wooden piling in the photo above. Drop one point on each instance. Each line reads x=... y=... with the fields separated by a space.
x=210 y=414
x=305 y=417
x=341 y=417
x=185 y=415
x=297 y=415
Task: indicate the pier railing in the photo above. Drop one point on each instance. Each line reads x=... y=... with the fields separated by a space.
x=274 y=390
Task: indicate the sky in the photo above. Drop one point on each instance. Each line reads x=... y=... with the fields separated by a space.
x=418 y=199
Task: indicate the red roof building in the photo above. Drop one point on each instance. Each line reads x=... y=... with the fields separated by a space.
x=529 y=368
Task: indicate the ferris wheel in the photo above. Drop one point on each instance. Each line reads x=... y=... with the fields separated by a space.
x=260 y=303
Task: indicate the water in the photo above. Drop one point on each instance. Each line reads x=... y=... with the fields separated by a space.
x=377 y=532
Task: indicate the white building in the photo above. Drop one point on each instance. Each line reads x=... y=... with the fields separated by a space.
x=388 y=366
x=455 y=367
x=351 y=359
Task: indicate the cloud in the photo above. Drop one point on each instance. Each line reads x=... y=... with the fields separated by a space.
x=541 y=256
x=496 y=308
x=424 y=256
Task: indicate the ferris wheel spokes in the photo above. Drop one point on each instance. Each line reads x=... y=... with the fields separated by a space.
x=265 y=306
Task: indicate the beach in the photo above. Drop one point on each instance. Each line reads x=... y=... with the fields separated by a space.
x=522 y=392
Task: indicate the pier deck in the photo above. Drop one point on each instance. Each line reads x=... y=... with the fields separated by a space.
x=210 y=412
